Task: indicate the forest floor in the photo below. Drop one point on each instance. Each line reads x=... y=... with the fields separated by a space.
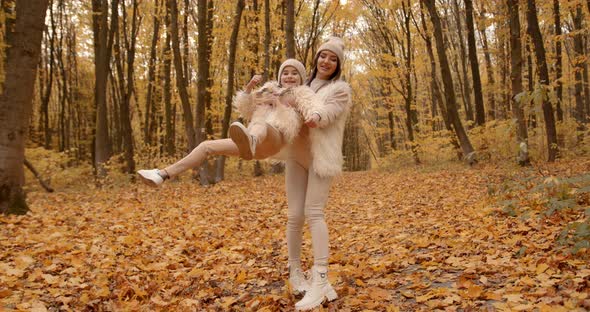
x=447 y=238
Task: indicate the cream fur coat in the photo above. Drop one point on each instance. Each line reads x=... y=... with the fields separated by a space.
x=332 y=102
x=256 y=108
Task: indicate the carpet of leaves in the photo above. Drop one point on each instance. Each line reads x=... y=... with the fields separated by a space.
x=416 y=240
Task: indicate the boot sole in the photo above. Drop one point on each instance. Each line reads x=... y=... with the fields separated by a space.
x=237 y=132
x=331 y=295
x=147 y=181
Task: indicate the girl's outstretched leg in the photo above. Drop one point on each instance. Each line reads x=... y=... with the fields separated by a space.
x=197 y=156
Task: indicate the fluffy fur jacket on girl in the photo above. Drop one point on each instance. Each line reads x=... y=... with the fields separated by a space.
x=263 y=106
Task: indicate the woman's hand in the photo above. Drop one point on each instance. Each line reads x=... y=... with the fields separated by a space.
x=256 y=79
x=313 y=121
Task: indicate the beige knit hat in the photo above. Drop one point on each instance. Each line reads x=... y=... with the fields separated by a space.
x=298 y=66
x=334 y=44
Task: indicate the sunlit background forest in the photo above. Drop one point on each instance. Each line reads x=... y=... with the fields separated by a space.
x=124 y=85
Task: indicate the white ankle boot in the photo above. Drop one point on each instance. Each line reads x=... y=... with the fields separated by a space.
x=244 y=140
x=151 y=177
x=320 y=289
x=299 y=284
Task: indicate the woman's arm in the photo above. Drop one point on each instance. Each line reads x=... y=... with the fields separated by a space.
x=324 y=113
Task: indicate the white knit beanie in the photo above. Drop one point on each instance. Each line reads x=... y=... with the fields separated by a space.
x=297 y=65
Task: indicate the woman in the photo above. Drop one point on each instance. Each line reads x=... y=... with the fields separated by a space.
x=315 y=157
x=272 y=125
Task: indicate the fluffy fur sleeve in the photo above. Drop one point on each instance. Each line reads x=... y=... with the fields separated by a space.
x=244 y=104
x=336 y=102
x=304 y=97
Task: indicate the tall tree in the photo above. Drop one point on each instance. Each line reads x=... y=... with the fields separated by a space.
x=579 y=64
x=290 y=28
x=480 y=118
x=180 y=78
x=233 y=42
x=203 y=92
x=22 y=50
x=267 y=38
x=537 y=38
x=150 y=120
x=516 y=82
x=558 y=64
x=103 y=44
x=450 y=98
x=463 y=54
x=491 y=109
x=46 y=93
x=410 y=106
x=169 y=107
x=130 y=41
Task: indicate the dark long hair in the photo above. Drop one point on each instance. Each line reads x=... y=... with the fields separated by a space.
x=314 y=71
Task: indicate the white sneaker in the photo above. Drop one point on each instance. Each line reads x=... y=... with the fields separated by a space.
x=245 y=142
x=151 y=177
x=320 y=290
x=299 y=284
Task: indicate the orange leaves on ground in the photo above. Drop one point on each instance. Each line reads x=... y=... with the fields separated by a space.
x=404 y=241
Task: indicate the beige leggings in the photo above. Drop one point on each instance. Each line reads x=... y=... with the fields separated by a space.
x=307 y=194
x=270 y=141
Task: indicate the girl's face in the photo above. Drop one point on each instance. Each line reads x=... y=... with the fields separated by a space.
x=290 y=77
x=327 y=64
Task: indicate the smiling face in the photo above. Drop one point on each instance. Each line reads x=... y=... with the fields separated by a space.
x=290 y=77
x=327 y=64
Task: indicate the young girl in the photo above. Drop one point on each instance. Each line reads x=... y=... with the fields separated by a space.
x=274 y=116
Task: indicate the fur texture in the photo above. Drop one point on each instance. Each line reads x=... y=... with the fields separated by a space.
x=326 y=139
x=263 y=106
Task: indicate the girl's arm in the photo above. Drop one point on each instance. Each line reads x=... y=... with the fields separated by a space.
x=243 y=100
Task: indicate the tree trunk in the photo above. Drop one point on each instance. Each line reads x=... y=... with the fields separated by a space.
x=150 y=120
x=516 y=82
x=22 y=51
x=290 y=28
x=44 y=110
x=480 y=118
x=103 y=40
x=267 y=38
x=203 y=84
x=579 y=60
x=125 y=118
x=463 y=53
x=558 y=69
x=436 y=92
x=168 y=110
x=450 y=98
x=233 y=42
x=411 y=113
x=535 y=33
x=491 y=109
x=180 y=79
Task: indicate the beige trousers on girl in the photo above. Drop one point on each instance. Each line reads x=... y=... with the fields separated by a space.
x=307 y=194
x=270 y=141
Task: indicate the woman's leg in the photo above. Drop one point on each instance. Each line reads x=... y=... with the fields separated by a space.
x=315 y=202
x=296 y=184
x=200 y=153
